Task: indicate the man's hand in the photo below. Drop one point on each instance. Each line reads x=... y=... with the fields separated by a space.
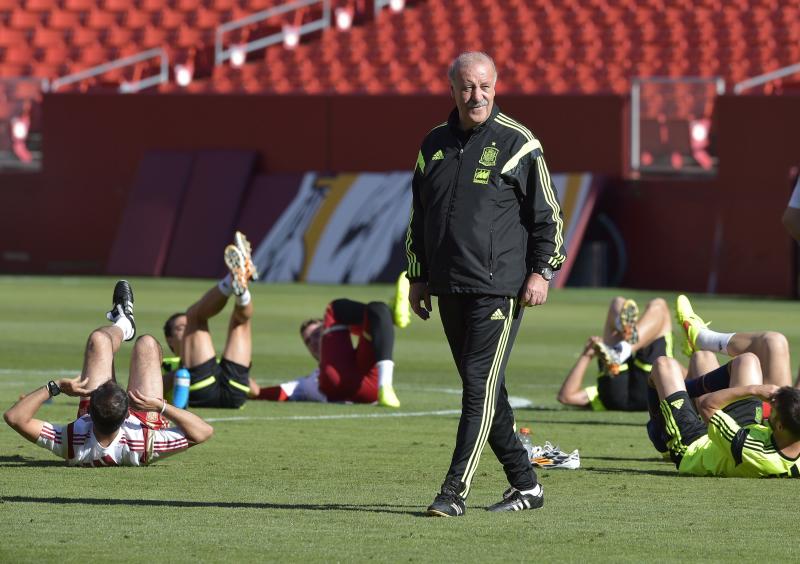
x=534 y=292
x=765 y=391
x=588 y=348
x=419 y=293
x=75 y=387
x=145 y=403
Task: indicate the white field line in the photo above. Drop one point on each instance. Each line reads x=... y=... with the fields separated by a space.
x=516 y=402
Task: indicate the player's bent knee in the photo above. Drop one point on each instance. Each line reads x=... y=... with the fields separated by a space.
x=147 y=344
x=776 y=343
x=97 y=339
x=664 y=365
x=616 y=302
x=746 y=361
x=659 y=304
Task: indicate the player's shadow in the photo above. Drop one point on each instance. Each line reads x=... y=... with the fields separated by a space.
x=412 y=510
x=672 y=473
x=592 y=422
x=17 y=461
x=624 y=458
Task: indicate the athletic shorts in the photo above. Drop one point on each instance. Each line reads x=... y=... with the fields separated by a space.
x=684 y=425
x=627 y=391
x=219 y=384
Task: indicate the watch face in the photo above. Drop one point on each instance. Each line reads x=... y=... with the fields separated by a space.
x=53 y=388
x=546 y=273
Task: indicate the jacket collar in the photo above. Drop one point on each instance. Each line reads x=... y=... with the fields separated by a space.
x=454 y=123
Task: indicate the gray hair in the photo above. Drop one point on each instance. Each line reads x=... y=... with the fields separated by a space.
x=468 y=58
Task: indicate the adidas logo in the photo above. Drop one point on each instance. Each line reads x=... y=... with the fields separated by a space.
x=677 y=404
x=498 y=315
x=438 y=155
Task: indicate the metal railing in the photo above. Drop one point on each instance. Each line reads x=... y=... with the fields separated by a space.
x=636 y=101
x=125 y=87
x=221 y=54
x=740 y=87
x=380 y=5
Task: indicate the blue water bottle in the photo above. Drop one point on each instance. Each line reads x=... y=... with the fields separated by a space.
x=180 y=388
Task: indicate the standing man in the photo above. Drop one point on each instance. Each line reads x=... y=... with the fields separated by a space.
x=485 y=235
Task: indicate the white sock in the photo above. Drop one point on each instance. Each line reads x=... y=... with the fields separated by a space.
x=708 y=340
x=125 y=325
x=224 y=285
x=244 y=299
x=537 y=489
x=624 y=350
x=385 y=372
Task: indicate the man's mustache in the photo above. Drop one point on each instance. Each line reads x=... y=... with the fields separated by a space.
x=480 y=104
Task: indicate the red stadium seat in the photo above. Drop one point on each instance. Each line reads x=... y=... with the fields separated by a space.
x=79 y=5
x=49 y=38
x=61 y=19
x=21 y=19
x=101 y=20
x=18 y=53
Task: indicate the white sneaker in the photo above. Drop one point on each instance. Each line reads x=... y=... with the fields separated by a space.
x=243 y=245
x=236 y=263
x=550 y=456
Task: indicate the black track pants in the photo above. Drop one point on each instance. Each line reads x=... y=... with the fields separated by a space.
x=481 y=330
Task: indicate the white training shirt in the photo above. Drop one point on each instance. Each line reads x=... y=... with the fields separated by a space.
x=305 y=388
x=794 y=201
x=134 y=445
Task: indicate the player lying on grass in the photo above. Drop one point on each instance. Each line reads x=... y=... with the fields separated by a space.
x=625 y=353
x=223 y=383
x=120 y=429
x=730 y=439
x=358 y=374
x=706 y=375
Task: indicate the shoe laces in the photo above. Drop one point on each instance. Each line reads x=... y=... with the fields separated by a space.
x=449 y=491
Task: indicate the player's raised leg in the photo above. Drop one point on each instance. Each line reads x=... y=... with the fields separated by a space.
x=104 y=342
x=771 y=348
x=145 y=371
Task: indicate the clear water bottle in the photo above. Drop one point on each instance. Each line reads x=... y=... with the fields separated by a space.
x=180 y=388
x=524 y=435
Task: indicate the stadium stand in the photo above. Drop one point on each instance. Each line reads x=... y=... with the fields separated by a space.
x=558 y=46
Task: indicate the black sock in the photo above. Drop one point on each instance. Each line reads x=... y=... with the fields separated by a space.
x=719 y=379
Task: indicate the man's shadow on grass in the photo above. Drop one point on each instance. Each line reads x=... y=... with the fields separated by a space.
x=18 y=461
x=625 y=458
x=592 y=422
x=672 y=473
x=172 y=503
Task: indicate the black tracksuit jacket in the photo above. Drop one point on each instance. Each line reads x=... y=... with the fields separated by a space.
x=484 y=213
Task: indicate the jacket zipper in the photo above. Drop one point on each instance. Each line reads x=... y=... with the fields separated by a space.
x=453 y=190
x=491 y=253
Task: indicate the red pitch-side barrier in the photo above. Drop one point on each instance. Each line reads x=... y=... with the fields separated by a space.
x=722 y=234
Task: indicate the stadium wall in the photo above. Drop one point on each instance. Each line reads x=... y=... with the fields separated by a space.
x=93 y=146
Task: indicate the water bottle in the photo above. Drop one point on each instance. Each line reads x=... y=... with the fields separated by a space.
x=180 y=388
x=524 y=436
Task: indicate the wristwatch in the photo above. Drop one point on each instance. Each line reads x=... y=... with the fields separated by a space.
x=545 y=272
x=53 y=388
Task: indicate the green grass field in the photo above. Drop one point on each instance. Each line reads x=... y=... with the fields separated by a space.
x=315 y=482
